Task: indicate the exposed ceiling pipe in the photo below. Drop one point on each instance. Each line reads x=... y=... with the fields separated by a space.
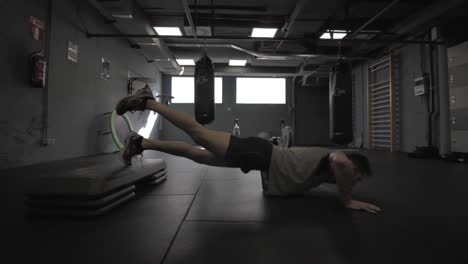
x=258 y=55
x=257 y=71
x=230 y=8
x=357 y=31
x=290 y=21
x=242 y=38
x=189 y=17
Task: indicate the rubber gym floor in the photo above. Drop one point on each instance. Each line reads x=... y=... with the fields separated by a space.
x=214 y=215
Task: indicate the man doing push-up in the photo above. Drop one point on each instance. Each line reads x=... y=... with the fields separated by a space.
x=285 y=171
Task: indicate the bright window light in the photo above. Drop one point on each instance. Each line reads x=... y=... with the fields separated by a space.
x=337 y=34
x=237 y=62
x=168 y=31
x=186 y=62
x=261 y=91
x=145 y=130
x=183 y=90
x=218 y=90
x=263 y=32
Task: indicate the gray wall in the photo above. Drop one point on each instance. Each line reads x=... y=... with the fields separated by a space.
x=252 y=118
x=78 y=96
x=312 y=115
x=458 y=68
x=412 y=109
x=413 y=121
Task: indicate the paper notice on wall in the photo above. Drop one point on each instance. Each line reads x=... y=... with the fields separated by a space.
x=37 y=28
x=72 y=53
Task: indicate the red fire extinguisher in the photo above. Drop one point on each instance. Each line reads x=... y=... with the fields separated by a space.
x=38 y=69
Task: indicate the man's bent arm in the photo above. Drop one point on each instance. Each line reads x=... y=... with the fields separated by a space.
x=343 y=171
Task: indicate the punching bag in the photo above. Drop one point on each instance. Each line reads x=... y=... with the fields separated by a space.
x=204 y=91
x=341 y=104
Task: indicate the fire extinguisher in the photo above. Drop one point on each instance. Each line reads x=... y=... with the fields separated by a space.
x=38 y=69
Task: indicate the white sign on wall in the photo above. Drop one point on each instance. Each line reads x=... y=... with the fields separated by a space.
x=72 y=53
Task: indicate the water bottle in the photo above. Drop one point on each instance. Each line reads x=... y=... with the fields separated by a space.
x=286 y=134
x=236 y=130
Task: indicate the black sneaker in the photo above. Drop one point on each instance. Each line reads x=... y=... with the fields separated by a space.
x=134 y=102
x=132 y=147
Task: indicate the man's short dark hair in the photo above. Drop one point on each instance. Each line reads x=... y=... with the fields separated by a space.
x=361 y=162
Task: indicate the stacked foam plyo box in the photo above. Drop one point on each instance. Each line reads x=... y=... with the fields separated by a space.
x=88 y=186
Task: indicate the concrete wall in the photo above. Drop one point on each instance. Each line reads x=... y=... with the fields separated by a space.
x=252 y=118
x=413 y=120
x=458 y=68
x=312 y=115
x=78 y=96
x=412 y=108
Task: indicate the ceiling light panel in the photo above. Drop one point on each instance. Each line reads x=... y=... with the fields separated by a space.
x=185 y=62
x=334 y=34
x=168 y=31
x=263 y=32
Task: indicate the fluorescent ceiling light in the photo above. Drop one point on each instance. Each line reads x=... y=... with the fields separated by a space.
x=263 y=32
x=237 y=62
x=325 y=35
x=168 y=31
x=186 y=62
x=337 y=34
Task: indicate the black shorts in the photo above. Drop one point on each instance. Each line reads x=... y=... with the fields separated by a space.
x=248 y=154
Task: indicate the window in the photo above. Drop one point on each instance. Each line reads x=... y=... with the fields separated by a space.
x=145 y=130
x=183 y=90
x=261 y=91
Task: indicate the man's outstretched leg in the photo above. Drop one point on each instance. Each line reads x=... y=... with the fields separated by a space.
x=136 y=144
x=216 y=142
x=229 y=151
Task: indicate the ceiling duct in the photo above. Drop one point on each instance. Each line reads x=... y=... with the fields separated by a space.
x=118 y=8
x=286 y=65
x=260 y=71
x=290 y=21
x=378 y=15
x=425 y=16
x=189 y=17
x=154 y=49
x=262 y=56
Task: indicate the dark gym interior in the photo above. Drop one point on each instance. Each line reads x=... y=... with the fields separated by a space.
x=386 y=78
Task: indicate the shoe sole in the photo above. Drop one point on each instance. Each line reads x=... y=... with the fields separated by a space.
x=128 y=98
x=123 y=101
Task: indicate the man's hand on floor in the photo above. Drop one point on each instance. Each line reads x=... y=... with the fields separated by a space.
x=357 y=205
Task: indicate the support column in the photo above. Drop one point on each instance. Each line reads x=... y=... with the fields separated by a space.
x=444 y=98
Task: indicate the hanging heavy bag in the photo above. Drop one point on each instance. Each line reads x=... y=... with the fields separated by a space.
x=204 y=91
x=341 y=104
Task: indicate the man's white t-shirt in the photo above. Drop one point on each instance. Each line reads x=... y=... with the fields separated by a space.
x=294 y=170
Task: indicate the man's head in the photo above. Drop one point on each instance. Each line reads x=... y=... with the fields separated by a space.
x=361 y=164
